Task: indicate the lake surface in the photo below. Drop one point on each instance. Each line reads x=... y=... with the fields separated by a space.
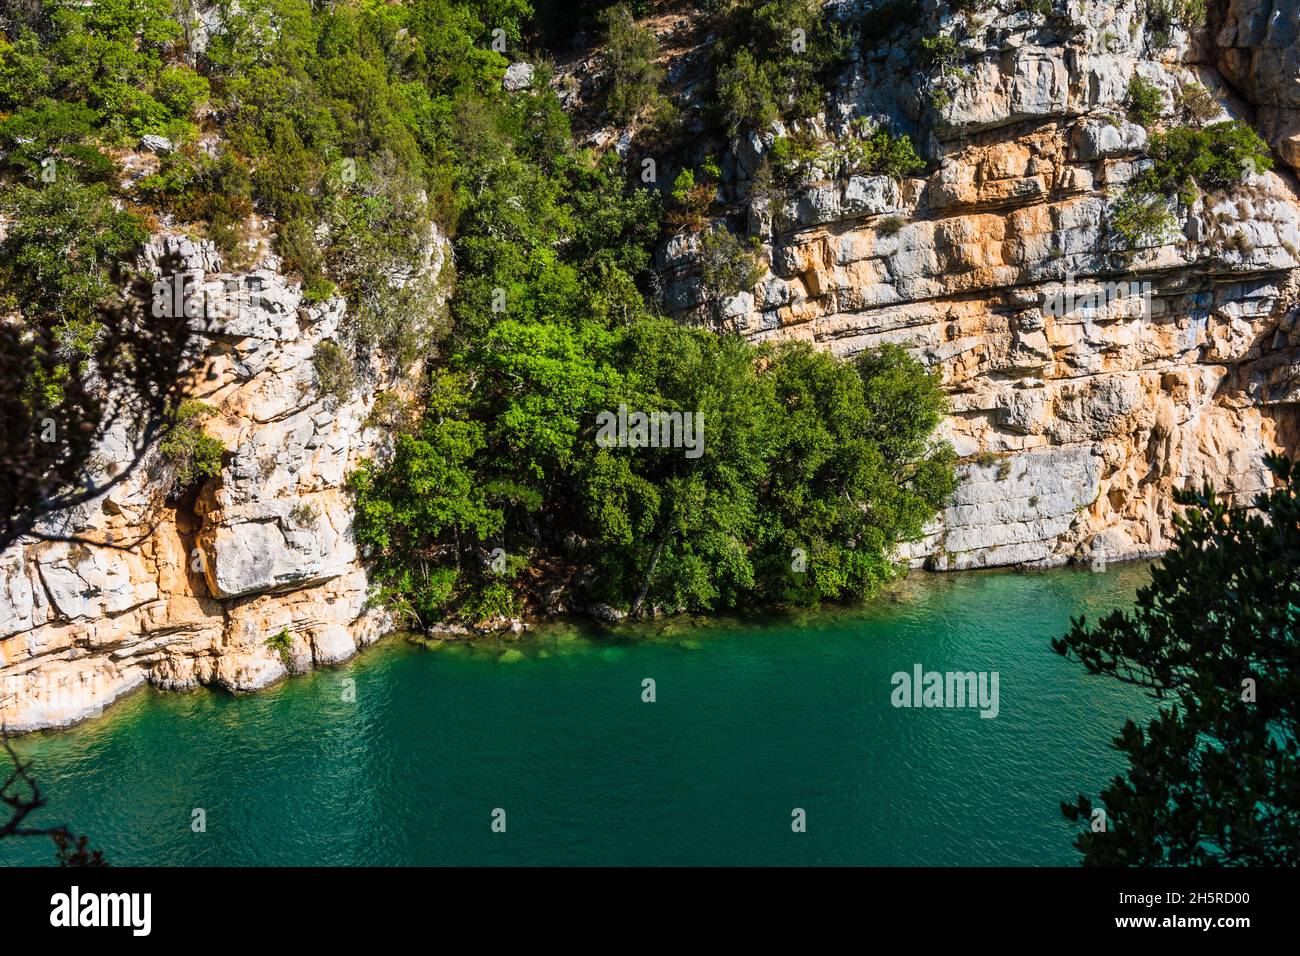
x=753 y=718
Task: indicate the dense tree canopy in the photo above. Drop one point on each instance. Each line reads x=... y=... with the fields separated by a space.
x=802 y=453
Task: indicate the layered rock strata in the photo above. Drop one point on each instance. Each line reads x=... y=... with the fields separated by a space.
x=1086 y=381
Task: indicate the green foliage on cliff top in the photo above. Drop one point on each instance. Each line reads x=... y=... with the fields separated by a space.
x=772 y=60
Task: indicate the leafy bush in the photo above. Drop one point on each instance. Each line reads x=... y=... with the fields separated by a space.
x=304 y=514
x=112 y=56
x=746 y=98
x=56 y=270
x=630 y=50
x=378 y=240
x=1145 y=101
x=889 y=226
x=760 y=74
x=691 y=200
x=868 y=151
x=1209 y=159
x=1186 y=161
x=1138 y=218
x=59 y=249
x=189 y=454
x=334 y=371
x=797 y=444
x=1163 y=15
x=54 y=130
x=728 y=265
x=879 y=154
x=216 y=192
x=939 y=51
x=939 y=54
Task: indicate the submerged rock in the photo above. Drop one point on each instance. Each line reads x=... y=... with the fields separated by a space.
x=606 y=613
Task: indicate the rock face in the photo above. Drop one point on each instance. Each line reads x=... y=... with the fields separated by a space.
x=197 y=587
x=519 y=76
x=1257 y=50
x=1086 y=382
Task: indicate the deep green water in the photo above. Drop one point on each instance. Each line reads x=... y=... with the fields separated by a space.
x=753 y=718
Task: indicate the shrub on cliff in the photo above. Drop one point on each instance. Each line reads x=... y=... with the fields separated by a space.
x=728 y=265
x=878 y=152
x=869 y=150
x=1144 y=101
x=772 y=59
x=630 y=52
x=1186 y=161
x=1197 y=105
x=188 y=453
x=1140 y=219
x=1215 y=778
x=215 y=192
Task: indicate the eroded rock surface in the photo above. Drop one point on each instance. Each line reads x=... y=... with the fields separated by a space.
x=1076 y=418
x=198 y=586
x=1257 y=47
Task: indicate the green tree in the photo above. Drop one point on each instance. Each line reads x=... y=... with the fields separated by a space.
x=855 y=470
x=1209 y=159
x=728 y=265
x=411 y=513
x=57 y=265
x=1214 y=779
x=773 y=59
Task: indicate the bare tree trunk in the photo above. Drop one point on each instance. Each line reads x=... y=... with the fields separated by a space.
x=649 y=575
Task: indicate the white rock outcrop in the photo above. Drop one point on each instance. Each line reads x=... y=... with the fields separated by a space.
x=196 y=589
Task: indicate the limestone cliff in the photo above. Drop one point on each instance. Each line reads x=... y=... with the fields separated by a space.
x=195 y=588
x=1075 y=423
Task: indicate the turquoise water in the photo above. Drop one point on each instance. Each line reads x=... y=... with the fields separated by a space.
x=753 y=718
